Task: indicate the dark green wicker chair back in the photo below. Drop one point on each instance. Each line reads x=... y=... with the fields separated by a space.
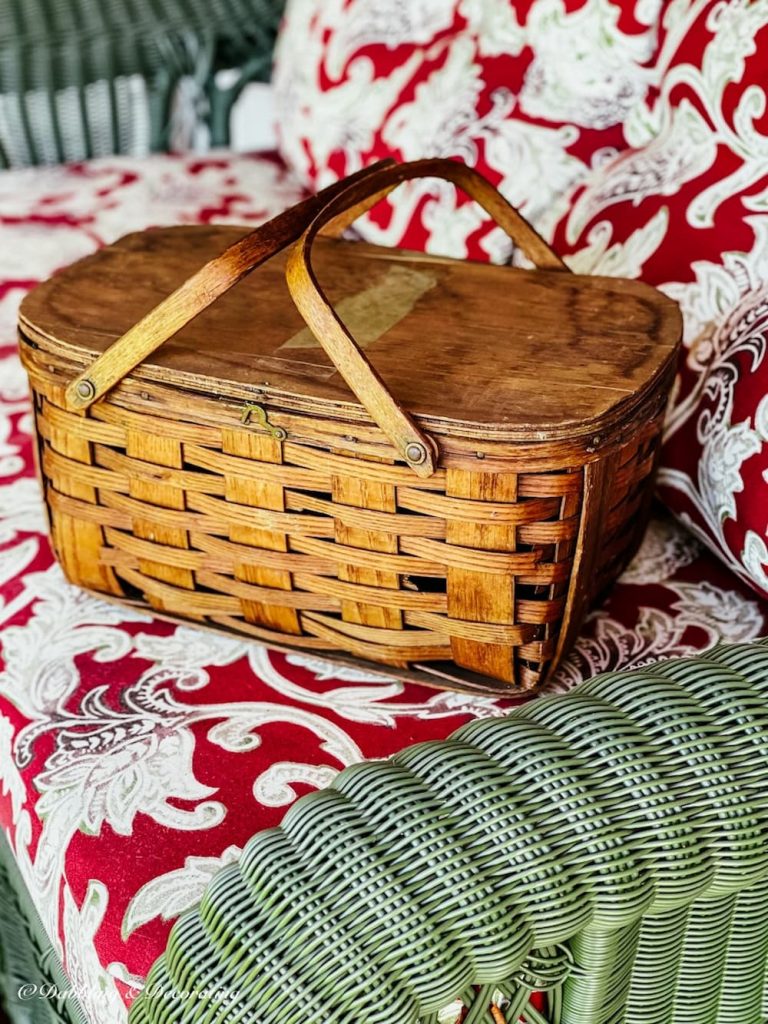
x=84 y=78
x=609 y=846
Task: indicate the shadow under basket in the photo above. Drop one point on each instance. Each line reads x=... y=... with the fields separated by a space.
x=439 y=498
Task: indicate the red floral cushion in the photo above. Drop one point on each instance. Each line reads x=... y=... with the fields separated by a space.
x=137 y=757
x=687 y=209
x=483 y=80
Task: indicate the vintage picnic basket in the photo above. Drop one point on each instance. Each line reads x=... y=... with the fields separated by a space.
x=366 y=453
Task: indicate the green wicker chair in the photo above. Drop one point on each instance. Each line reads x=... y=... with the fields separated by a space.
x=27 y=959
x=607 y=848
x=83 y=78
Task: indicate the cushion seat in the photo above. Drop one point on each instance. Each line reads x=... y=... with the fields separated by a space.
x=137 y=756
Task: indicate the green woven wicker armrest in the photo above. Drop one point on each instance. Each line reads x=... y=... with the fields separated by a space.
x=609 y=846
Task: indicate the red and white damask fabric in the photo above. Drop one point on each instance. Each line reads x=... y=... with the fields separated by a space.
x=687 y=209
x=533 y=93
x=633 y=133
x=136 y=757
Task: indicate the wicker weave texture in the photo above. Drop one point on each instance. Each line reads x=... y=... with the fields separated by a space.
x=610 y=846
x=303 y=542
x=85 y=78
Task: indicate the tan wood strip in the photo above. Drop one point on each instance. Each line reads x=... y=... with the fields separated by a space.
x=552 y=572
x=539 y=612
x=340 y=465
x=229 y=553
x=527 y=564
x=214 y=554
x=484 y=633
x=452 y=507
x=88 y=428
x=230 y=512
x=178 y=600
x=164 y=517
x=380 y=497
x=537 y=653
x=546 y=572
x=396 y=637
x=378 y=652
x=174 y=429
x=368 y=559
x=268 y=598
x=163 y=451
x=402 y=599
x=76 y=474
x=473 y=595
x=548 y=533
x=269 y=636
x=263 y=494
x=125 y=466
x=398 y=524
x=126 y=550
x=89 y=513
x=227 y=463
x=113 y=470
x=549 y=485
x=118 y=510
x=463 y=557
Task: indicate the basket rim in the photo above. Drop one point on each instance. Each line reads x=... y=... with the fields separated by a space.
x=141 y=387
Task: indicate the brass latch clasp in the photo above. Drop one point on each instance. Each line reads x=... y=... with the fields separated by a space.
x=259 y=414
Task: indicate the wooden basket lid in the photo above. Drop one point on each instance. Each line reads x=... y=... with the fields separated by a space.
x=464 y=346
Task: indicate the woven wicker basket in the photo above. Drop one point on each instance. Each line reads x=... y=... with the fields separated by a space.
x=447 y=509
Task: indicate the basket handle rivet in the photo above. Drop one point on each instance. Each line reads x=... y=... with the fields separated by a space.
x=86 y=388
x=416 y=453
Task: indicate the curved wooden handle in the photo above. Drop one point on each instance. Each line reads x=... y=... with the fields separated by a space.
x=198 y=292
x=412 y=444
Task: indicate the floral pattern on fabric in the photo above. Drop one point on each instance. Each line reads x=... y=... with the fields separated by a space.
x=686 y=208
x=136 y=757
x=482 y=80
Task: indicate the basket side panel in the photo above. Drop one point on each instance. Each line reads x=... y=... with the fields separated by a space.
x=297 y=531
x=535 y=517
x=65 y=457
